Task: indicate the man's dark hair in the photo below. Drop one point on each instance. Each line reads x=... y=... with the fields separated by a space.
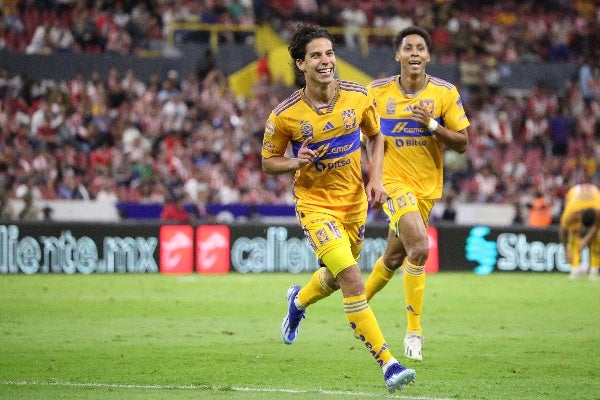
x=413 y=30
x=304 y=34
x=588 y=217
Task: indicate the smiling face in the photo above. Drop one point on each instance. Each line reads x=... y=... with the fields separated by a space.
x=413 y=55
x=318 y=65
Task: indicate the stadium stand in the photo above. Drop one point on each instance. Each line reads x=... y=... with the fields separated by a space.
x=133 y=135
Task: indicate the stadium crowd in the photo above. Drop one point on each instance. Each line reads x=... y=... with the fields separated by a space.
x=120 y=138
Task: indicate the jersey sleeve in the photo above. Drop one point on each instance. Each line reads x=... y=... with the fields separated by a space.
x=275 y=140
x=370 y=124
x=455 y=117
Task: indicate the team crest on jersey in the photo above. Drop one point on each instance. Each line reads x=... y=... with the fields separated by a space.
x=390 y=106
x=349 y=119
x=427 y=104
x=322 y=236
x=306 y=129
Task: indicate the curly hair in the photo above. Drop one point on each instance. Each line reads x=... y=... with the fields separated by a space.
x=304 y=34
x=588 y=217
x=413 y=30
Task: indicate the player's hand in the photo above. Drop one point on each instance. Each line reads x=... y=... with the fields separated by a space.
x=376 y=194
x=420 y=114
x=569 y=256
x=306 y=155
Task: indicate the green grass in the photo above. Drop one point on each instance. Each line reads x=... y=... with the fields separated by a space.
x=503 y=336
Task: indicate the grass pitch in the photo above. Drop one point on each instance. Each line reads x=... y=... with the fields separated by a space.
x=502 y=336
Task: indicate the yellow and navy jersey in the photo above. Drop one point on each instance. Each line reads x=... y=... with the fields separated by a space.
x=413 y=154
x=579 y=198
x=334 y=179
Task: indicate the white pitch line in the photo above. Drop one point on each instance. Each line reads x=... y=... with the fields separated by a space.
x=215 y=389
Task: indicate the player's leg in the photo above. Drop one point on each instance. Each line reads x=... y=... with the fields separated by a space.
x=414 y=236
x=399 y=202
x=595 y=258
x=573 y=246
x=320 y=285
x=383 y=271
x=362 y=319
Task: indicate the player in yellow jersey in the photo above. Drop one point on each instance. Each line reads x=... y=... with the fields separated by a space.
x=579 y=228
x=323 y=122
x=420 y=116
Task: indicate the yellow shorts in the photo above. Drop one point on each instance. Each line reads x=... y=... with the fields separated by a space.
x=327 y=230
x=401 y=200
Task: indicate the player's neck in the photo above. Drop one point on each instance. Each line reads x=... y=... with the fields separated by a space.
x=320 y=96
x=412 y=84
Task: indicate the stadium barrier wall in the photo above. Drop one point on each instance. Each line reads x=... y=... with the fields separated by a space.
x=152 y=247
x=98 y=211
x=232 y=57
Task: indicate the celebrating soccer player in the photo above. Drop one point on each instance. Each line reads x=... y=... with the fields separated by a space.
x=420 y=115
x=323 y=122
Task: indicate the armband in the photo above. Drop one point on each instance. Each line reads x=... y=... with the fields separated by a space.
x=433 y=125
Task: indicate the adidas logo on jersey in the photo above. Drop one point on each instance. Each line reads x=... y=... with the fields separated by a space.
x=328 y=126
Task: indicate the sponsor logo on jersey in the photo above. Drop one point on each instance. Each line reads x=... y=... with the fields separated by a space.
x=410 y=142
x=328 y=126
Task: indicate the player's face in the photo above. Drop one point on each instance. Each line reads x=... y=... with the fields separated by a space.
x=413 y=55
x=319 y=63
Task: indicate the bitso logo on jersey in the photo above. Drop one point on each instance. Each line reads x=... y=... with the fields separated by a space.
x=212 y=249
x=176 y=249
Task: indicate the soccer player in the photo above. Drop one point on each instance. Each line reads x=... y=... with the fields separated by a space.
x=323 y=122
x=420 y=116
x=580 y=228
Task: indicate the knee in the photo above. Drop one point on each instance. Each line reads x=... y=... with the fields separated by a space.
x=417 y=254
x=329 y=279
x=394 y=261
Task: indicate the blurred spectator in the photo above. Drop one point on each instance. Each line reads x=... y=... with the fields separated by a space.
x=30 y=211
x=60 y=37
x=107 y=193
x=540 y=211
x=119 y=41
x=449 y=214
x=560 y=127
x=7 y=212
x=174 y=210
x=47 y=213
x=518 y=217
x=486 y=184
x=354 y=19
x=40 y=41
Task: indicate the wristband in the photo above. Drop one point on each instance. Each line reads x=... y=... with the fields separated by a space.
x=433 y=125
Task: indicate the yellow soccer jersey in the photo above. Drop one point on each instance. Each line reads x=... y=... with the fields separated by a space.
x=413 y=154
x=334 y=179
x=578 y=198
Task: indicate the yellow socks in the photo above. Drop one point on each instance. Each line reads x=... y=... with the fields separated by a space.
x=378 y=278
x=363 y=321
x=414 y=291
x=315 y=290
